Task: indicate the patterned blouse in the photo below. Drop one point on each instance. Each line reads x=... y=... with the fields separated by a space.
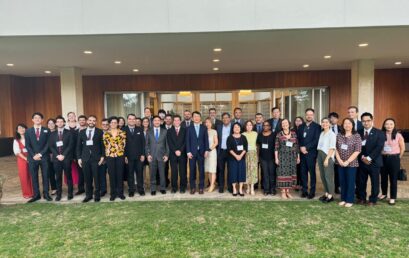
x=114 y=146
x=281 y=141
x=346 y=146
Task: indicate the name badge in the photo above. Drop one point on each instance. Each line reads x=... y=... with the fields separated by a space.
x=387 y=148
x=45 y=131
x=90 y=142
x=264 y=146
x=24 y=150
x=240 y=147
x=344 y=147
x=60 y=143
x=363 y=142
x=305 y=134
x=289 y=144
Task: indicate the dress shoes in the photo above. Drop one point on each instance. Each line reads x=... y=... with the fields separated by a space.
x=48 y=197
x=87 y=199
x=34 y=199
x=153 y=193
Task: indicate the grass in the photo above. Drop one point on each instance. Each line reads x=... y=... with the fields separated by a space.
x=204 y=229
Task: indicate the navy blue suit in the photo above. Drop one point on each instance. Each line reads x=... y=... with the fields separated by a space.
x=359 y=126
x=34 y=147
x=373 y=148
x=197 y=146
x=308 y=137
x=222 y=159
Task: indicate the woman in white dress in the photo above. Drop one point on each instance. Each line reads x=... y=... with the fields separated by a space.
x=211 y=160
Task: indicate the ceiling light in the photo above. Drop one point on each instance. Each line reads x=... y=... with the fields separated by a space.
x=215 y=69
x=363 y=45
x=185 y=93
x=216 y=60
x=305 y=65
x=135 y=70
x=10 y=65
x=47 y=72
x=117 y=62
x=87 y=52
x=398 y=63
x=217 y=49
x=327 y=57
x=245 y=92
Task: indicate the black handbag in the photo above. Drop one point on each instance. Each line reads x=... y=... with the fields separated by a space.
x=402 y=176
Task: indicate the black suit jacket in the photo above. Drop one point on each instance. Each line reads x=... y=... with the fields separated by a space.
x=373 y=146
x=255 y=128
x=277 y=129
x=33 y=146
x=176 y=142
x=359 y=126
x=93 y=152
x=67 y=148
x=310 y=141
x=183 y=124
x=135 y=143
x=219 y=130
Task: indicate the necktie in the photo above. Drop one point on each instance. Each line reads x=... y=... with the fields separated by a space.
x=156 y=134
x=89 y=134
x=187 y=123
x=258 y=128
x=333 y=129
x=59 y=139
x=177 y=131
x=38 y=133
x=366 y=135
x=132 y=130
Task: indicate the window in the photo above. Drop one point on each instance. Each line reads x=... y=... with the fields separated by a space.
x=122 y=104
x=221 y=101
x=254 y=102
x=174 y=103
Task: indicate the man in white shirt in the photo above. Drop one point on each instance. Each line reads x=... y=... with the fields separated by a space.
x=223 y=132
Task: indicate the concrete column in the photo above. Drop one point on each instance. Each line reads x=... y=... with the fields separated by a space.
x=71 y=90
x=362 y=85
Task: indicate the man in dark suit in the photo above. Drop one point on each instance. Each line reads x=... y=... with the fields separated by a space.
x=176 y=137
x=61 y=144
x=90 y=155
x=353 y=114
x=102 y=169
x=237 y=117
x=258 y=127
x=275 y=120
x=157 y=152
x=223 y=132
x=37 y=148
x=333 y=118
x=134 y=156
x=215 y=122
x=309 y=134
x=197 y=148
x=370 y=159
x=187 y=116
x=148 y=114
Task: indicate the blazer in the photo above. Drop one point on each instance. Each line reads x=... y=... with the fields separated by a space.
x=92 y=152
x=176 y=142
x=219 y=130
x=197 y=145
x=67 y=149
x=255 y=128
x=359 y=126
x=135 y=143
x=277 y=129
x=309 y=136
x=157 y=149
x=183 y=124
x=373 y=146
x=33 y=146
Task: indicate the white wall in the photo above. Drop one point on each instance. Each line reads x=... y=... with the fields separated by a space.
x=76 y=17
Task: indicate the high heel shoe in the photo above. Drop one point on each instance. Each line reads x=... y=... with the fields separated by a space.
x=289 y=196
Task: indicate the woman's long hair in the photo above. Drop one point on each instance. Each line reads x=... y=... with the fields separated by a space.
x=17 y=135
x=394 y=131
x=353 y=125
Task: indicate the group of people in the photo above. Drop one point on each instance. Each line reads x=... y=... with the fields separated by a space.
x=286 y=155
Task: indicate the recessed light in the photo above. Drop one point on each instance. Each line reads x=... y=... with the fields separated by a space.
x=327 y=57
x=215 y=69
x=10 y=65
x=305 y=65
x=217 y=49
x=47 y=72
x=87 y=52
x=398 y=63
x=117 y=62
x=363 y=45
x=135 y=70
x=216 y=60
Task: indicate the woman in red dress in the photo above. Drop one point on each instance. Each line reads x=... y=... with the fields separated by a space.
x=21 y=152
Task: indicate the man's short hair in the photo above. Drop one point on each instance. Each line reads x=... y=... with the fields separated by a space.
x=82 y=116
x=259 y=114
x=225 y=114
x=310 y=109
x=210 y=109
x=60 y=117
x=354 y=107
x=333 y=114
x=236 y=108
x=37 y=114
x=177 y=116
x=367 y=114
x=275 y=108
x=197 y=113
x=130 y=115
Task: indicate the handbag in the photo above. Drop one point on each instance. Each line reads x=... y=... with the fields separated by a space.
x=402 y=176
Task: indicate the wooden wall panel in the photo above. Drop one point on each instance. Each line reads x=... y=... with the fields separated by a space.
x=392 y=96
x=6 y=128
x=337 y=80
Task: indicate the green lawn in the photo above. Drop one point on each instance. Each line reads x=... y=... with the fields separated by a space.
x=204 y=229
